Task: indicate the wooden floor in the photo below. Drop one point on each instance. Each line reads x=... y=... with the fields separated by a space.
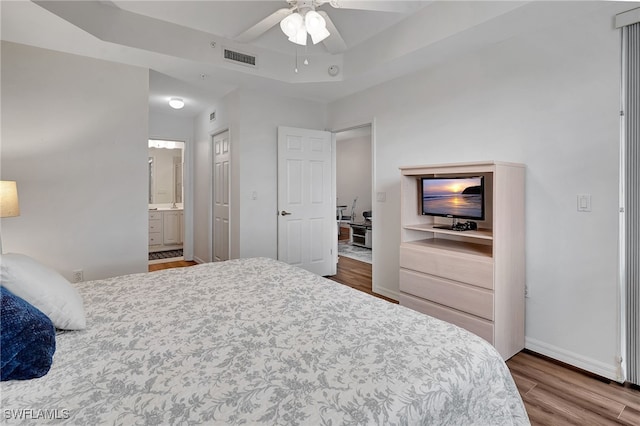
x=356 y=275
x=553 y=393
x=169 y=265
x=556 y=394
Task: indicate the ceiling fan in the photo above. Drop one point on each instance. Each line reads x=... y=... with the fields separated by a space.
x=302 y=19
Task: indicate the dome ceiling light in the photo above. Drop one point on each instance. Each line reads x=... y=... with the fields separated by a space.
x=176 y=103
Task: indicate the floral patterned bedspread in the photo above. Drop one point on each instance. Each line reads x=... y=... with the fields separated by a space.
x=256 y=341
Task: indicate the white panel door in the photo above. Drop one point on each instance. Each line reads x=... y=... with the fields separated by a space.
x=221 y=161
x=306 y=202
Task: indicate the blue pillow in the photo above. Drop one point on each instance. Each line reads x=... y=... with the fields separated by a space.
x=27 y=339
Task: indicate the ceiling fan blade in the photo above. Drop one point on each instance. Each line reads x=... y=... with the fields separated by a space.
x=375 y=5
x=334 y=43
x=263 y=26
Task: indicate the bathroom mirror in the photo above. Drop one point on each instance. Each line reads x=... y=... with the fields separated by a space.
x=165 y=172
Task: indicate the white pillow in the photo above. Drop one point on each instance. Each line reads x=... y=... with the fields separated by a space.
x=44 y=288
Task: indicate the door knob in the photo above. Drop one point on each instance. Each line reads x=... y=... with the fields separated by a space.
x=284 y=213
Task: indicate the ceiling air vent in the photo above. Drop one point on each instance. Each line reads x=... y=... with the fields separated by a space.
x=240 y=58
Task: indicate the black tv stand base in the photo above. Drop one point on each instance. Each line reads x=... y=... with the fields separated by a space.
x=459 y=226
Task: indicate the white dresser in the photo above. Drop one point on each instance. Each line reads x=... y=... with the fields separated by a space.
x=474 y=279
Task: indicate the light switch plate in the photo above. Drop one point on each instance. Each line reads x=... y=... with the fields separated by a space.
x=584 y=202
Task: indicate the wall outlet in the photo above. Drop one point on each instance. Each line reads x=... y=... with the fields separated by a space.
x=78 y=276
x=526 y=291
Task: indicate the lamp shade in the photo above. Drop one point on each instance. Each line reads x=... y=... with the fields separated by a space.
x=291 y=24
x=293 y=27
x=316 y=26
x=318 y=35
x=300 y=37
x=9 y=206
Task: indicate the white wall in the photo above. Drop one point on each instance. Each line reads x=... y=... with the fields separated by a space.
x=261 y=116
x=74 y=137
x=252 y=119
x=226 y=119
x=548 y=99
x=353 y=174
x=170 y=127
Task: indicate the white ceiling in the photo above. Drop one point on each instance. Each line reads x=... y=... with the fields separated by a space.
x=230 y=18
x=181 y=41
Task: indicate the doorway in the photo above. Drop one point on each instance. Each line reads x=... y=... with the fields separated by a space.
x=354 y=213
x=166 y=200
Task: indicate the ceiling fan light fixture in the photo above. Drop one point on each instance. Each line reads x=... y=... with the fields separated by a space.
x=319 y=35
x=316 y=26
x=300 y=37
x=313 y=21
x=291 y=24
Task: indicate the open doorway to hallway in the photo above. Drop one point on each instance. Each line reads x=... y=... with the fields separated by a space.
x=354 y=182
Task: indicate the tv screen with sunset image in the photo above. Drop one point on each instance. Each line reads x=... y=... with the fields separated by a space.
x=453 y=197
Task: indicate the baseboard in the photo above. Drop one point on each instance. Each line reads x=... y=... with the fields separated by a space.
x=387 y=293
x=165 y=260
x=574 y=359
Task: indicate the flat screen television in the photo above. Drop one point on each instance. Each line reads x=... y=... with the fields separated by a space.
x=455 y=197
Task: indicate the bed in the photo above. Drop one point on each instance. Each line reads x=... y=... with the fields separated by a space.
x=257 y=341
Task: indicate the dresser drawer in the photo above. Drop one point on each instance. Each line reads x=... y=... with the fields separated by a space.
x=477 y=326
x=466 y=298
x=155 y=238
x=155 y=225
x=454 y=266
x=155 y=216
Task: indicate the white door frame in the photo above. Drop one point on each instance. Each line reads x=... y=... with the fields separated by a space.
x=187 y=200
x=342 y=127
x=187 y=192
